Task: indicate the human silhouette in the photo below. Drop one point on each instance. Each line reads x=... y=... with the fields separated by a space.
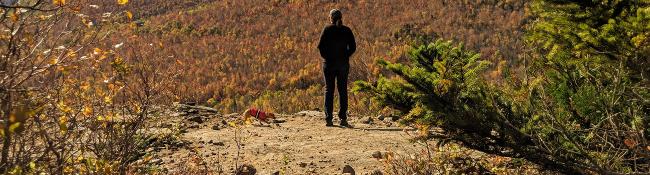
x=336 y=46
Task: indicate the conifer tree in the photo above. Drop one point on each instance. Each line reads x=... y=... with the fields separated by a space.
x=582 y=109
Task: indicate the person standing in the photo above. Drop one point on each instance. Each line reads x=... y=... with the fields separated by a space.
x=336 y=46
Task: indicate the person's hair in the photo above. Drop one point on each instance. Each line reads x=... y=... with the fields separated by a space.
x=336 y=16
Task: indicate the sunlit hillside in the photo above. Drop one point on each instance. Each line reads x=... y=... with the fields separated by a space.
x=235 y=54
x=236 y=87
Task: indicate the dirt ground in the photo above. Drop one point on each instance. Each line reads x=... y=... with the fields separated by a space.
x=299 y=144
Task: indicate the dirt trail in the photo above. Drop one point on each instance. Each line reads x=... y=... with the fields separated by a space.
x=300 y=145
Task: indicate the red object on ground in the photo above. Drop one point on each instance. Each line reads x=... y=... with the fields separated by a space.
x=259 y=114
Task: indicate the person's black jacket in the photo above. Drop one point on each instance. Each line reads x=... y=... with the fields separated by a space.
x=336 y=45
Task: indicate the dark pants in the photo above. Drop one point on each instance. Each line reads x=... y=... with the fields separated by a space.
x=338 y=75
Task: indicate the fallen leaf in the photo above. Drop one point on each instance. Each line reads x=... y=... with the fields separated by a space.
x=129 y=15
x=122 y=2
x=630 y=143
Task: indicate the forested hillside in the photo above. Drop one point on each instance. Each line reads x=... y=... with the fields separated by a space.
x=234 y=54
x=440 y=87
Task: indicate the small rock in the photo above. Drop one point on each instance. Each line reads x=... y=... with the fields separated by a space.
x=194 y=126
x=276 y=173
x=215 y=127
x=394 y=118
x=246 y=169
x=166 y=125
x=367 y=120
x=192 y=111
x=279 y=120
x=224 y=122
x=380 y=117
x=376 y=155
x=218 y=143
x=376 y=172
x=302 y=164
x=347 y=169
x=210 y=142
x=197 y=119
x=156 y=161
x=233 y=115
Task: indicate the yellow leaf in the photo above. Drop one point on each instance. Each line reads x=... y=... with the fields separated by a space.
x=232 y=124
x=85 y=86
x=14 y=16
x=108 y=100
x=58 y=2
x=248 y=121
x=97 y=51
x=122 y=2
x=13 y=127
x=54 y=61
x=87 y=110
x=32 y=165
x=63 y=124
x=129 y=15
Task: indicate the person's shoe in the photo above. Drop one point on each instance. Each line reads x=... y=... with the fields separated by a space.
x=329 y=124
x=345 y=124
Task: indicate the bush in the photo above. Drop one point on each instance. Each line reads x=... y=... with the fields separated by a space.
x=68 y=104
x=582 y=108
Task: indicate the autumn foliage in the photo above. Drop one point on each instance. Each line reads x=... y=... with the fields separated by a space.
x=236 y=54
